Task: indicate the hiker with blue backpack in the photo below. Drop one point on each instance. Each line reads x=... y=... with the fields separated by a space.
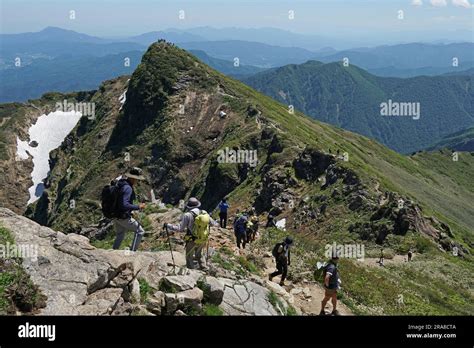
x=196 y=224
x=118 y=204
x=240 y=229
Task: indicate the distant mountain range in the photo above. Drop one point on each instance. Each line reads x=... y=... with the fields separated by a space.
x=351 y=98
x=264 y=47
x=64 y=74
x=459 y=141
x=53 y=42
x=251 y=53
x=227 y=67
x=408 y=60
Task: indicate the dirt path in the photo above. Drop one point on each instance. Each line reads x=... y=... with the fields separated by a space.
x=304 y=296
x=374 y=261
x=307 y=295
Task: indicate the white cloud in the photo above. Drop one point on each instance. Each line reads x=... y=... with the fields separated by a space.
x=438 y=3
x=462 y=3
x=417 y=2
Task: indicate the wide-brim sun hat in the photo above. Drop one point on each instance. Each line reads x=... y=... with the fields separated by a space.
x=193 y=202
x=135 y=173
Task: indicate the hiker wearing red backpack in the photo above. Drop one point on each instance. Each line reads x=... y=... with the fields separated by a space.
x=195 y=223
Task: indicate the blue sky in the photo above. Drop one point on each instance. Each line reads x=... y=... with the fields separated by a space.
x=436 y=19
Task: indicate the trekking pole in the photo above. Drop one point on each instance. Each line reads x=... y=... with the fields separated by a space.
x=171 y=249
x=207 y=249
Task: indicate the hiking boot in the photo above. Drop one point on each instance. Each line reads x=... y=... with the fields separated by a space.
x=282 y=283
x=335 y=312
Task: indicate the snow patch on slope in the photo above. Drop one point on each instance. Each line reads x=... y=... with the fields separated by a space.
x=22 y=149
x=123 y=98
x=49 y=131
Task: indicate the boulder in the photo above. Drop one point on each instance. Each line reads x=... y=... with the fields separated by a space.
x=213 y=290
x=123 y=308
x=280 y=291
x=246 y=298
x=356 y=202
x=171 y=303
x=178 y=283
x=190 y=298
x=101 y=302
x=135 y=291
x=156 y=303
x=142 y=310
x=311 y=163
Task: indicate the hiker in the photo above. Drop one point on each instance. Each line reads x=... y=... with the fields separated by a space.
x=254 y=226
x=331 y=285
x=410 y=254
x=381 y=260
x=240 y=230
x=195 y=223
x=270 y=221
x=281 y=253
x=223 y=207
x=249 y=230
x=124 y=221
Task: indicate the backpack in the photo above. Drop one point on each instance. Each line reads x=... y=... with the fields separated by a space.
x=240 y=224
x=320 y=271
x=110 y=200
x=278 y=249
x=200 y=231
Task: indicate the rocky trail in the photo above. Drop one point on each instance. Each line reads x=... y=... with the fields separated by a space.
x=79 y=279
x=305 y=297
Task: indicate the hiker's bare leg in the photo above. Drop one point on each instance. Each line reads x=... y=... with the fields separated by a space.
x=324 y=301
x=334 y=301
